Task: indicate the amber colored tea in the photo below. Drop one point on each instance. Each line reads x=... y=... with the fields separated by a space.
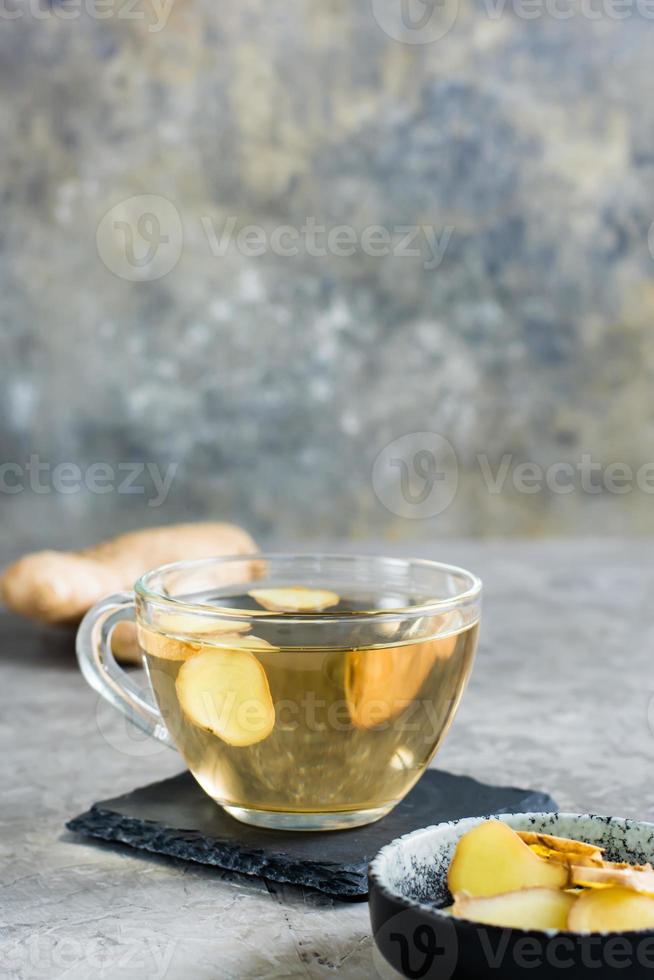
x=268 y=724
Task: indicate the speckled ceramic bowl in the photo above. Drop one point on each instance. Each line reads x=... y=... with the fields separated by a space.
x=408 y=885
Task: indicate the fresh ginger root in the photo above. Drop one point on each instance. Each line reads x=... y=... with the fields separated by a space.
x=58 y=587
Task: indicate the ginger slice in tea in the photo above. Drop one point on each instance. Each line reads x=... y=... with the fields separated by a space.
x=170 y=648
x=249 y=642
x=196 y=625
x=164 y=647
x=380 y=683
x=226 y=692
x=156 y=641
x=296 y=599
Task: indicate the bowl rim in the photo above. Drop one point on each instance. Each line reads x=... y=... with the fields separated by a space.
x=375 y=879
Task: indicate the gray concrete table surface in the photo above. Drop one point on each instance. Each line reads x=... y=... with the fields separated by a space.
x=561 y=698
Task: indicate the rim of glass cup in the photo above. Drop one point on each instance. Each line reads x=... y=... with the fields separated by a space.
x=473 y=591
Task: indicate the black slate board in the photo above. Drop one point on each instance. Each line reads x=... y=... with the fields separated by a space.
x=176 y=818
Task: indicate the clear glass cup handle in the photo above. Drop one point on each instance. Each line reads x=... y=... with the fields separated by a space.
x=101 y=671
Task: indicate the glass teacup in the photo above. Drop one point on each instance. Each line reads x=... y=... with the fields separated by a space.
x=304 y=692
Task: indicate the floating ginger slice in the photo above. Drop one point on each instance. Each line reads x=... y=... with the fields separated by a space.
x=171 y=648
x=159 y=644
x=197 y=625
x=562 y=849
x=528 y=908
x=165 y=647
x=379 y=684
x=226 y=692
x=630 y=877
x=296 y=599
x=491 y=859
x=611 y=910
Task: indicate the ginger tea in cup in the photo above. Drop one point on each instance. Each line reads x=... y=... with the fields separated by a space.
x=303 y=692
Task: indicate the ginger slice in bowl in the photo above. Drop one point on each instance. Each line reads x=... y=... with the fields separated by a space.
x=297 y=599
x=528 y=880
x=632 y=877
x=491 y=859
x=226 y=692
x=528 y=908
x=611 y=910
x=562 y=849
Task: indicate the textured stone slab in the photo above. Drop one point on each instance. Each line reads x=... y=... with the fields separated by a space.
x=176 y=818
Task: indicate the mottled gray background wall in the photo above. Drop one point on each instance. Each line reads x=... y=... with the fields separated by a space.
x=151 y=157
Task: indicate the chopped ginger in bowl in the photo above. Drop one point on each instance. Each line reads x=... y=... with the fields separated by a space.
x=528 y=880
x=539 y=895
